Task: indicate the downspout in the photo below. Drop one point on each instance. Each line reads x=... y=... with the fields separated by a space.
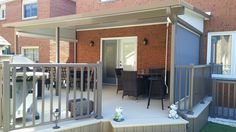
x=166 y=56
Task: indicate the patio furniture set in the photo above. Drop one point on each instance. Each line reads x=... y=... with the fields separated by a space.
x=150 y=84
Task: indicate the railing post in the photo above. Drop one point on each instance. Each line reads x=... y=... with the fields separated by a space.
x=6 y=97
x=1 y=94
x=99 y=91
x=191 y=89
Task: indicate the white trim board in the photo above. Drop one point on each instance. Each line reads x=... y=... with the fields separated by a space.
x=193 y=19
x=120 y=38
x=125 y=26
x=233 y=49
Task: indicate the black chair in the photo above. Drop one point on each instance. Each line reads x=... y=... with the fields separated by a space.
x=131 y=84
x=118 y=72
x=157 y=88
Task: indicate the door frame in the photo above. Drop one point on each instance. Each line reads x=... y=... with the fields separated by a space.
x=117 y=38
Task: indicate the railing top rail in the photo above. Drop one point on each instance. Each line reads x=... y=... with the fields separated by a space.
x=55 y=65
x=194 y=66
x=201 y=66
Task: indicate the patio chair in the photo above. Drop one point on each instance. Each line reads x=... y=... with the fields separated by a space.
x=118 y=72
x=131 y=84
x=157 y=88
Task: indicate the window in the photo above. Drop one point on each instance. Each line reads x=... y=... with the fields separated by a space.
x=221 y=50
x=31 y=53
x=30 y=9
x=2 y=12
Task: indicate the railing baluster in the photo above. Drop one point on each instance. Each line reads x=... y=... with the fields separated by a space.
x=14 y=97
x=67 y=89
x=186 y=88
x=43 y=96
x=24 y=96
x=94 y=89
x=180 y=88
x=88 y=88
x=228 y=98
x=51 y=92
x=223 y=101
x=74 y=91
x=81 y=90
x=34 y=98
x=234 y=100
x=217 y=97
x=214 y=87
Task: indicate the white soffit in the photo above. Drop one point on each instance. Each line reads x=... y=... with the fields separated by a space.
x=49 y=33
x=194 y=19
x=4 y=42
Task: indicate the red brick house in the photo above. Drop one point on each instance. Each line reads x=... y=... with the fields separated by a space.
x=141 y=34
x=40 y=50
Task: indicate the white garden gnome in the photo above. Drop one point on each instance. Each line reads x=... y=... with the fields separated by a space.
x=173 y=112
x=118 y=115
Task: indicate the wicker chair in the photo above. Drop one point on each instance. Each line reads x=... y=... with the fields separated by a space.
x=157 y=87
x=131 y=84
x=118 y=72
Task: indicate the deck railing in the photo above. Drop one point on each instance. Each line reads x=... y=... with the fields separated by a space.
x=224 y=99
x=32 y=92
x=192 y=85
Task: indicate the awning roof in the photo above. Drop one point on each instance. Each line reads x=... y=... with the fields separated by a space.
x=4 y=42
x=141 y=15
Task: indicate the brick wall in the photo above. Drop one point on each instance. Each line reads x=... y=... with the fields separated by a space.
x=14 y=14
x=66 y=51
x=84 y=6
x=62 y=7
x=43 y=45
x=148 y=56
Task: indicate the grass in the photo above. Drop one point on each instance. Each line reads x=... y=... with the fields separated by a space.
x=213 y=127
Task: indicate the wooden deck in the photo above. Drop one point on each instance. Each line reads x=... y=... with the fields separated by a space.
x=137 y=116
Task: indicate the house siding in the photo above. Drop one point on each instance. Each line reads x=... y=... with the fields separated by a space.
x=14 y=14
x=151 y=55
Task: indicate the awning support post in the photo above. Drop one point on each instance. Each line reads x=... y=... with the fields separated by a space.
x=172 y=58
x=58 y=45
x=75 y=52
x=16 y=41
x=57 y=58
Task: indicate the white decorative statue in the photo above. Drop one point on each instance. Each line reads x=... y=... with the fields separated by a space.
x=118 y=115
x=173 y=112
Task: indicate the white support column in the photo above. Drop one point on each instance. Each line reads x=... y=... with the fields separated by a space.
x=172 y=59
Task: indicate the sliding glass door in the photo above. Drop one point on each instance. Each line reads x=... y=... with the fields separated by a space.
x=109 y=59
x=118 y=53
